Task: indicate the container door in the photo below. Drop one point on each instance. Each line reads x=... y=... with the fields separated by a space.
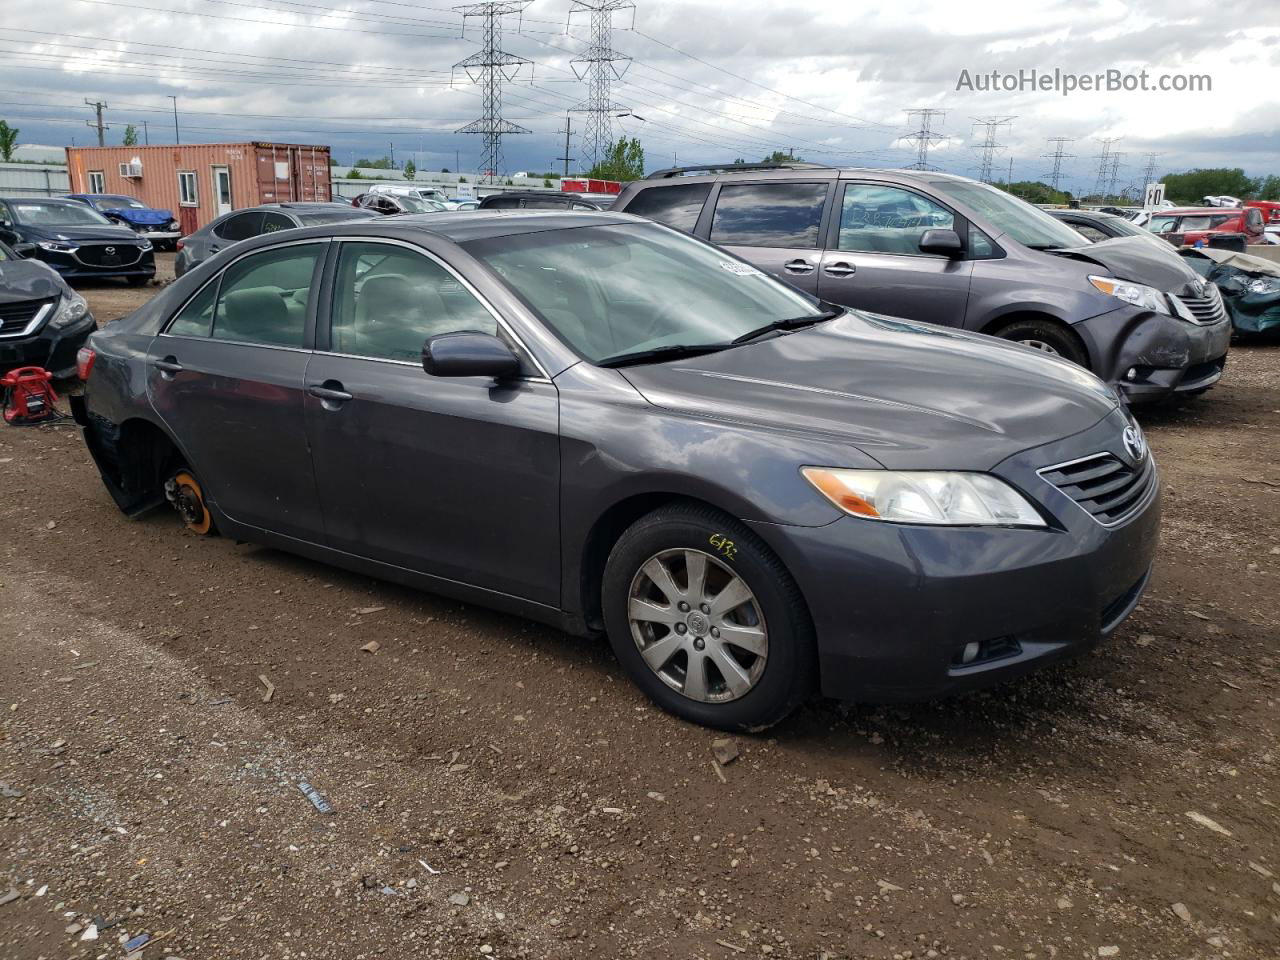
x=222 y=189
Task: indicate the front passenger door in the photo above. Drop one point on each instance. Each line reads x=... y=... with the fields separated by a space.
x=453 y=477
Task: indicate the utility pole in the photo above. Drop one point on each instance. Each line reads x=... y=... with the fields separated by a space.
x=489 y=68
x=989 y=147
x=1057 y=157
x=924 y=136
x=98 y=107
x=1009 y=182
x=1104 y=164
x=566 y=158
x=177 y=139
x=393 y=154
x=146 y=135
x=601 y=66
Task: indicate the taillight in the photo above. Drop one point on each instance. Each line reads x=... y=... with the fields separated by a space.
x=178 y=245
x=84 y=361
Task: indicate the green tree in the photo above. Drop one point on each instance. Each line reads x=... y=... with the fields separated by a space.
x=462 y=179
x=410 y=170
x=8 y=140
x=546 y=182
x=1035 y=191
x=1268 y=187
x=382 y=163
x=1190 y=187
x=354 y=174
x=131 y=136
x=623 y=160
x=779 y=157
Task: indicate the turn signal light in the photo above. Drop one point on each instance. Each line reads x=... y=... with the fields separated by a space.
x=84 y=361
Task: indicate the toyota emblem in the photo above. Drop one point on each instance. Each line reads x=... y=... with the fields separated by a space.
x=1134 y=443
x=110 y=251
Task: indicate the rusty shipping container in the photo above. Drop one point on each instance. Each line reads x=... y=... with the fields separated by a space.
x=202 y=181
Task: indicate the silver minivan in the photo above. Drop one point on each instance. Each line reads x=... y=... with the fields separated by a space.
x=948 y=250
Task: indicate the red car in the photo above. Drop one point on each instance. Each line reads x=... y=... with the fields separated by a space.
x=1270 y=211
x=1188 y=225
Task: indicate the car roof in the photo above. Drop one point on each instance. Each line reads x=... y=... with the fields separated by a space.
x=41 y=200
x=1100 y=214
x=303 y=205
x=1194 y=211
x=800 y=171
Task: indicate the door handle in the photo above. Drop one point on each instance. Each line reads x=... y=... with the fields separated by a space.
x=169 y=367
x=798 y=266
x=839 y=269
x=330 y=394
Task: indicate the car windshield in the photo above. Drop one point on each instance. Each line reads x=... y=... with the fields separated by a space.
x=613 y=290
x=118 y=203
x=50 y=213
x=417 y=204
x=335 y=215
x=1027 y=224
x=1126 y=227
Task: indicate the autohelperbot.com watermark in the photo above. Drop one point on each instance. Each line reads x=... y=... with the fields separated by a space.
x=1033 y=80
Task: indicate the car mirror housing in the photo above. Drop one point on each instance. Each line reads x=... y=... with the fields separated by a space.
x=469 y=354
x=944 y=242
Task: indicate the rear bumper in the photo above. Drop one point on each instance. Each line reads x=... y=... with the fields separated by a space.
x=895 y=606
x=1167 y=355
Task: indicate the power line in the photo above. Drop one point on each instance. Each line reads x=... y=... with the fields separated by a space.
x=989 y=147
x=1057 y=157
x=489 y=68
x=924 y=137
x=600 y=67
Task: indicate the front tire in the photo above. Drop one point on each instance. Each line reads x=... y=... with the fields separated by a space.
x=1047 y=337
x=707 y=621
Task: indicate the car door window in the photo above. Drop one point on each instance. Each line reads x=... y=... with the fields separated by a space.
x=389 y=300
x=768 y=214
x=264 y=296
x=882 y=219
x=678 y=205
x=1090 y=232
x=272 y=222
x=241 y=226
x=196 y=318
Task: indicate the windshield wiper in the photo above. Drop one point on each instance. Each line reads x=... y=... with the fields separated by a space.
x=791 y=323
x=673 y=351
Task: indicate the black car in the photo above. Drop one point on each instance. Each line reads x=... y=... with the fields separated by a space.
x=268 y=218
x=43 y=322
x=611 y=426
x=540 y=200
x=76 y=240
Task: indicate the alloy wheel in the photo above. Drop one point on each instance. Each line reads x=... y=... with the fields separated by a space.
x=698 y=625
x=1041 y=345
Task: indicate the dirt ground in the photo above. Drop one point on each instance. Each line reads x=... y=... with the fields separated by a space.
x=500 y=790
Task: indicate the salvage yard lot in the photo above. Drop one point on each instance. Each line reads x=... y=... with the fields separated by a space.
x=500 y=789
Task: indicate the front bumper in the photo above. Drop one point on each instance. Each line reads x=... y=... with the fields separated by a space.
x=73 y=268
x=1168 y=355
x=895 y=606
x=159 y=234
x=51 y=348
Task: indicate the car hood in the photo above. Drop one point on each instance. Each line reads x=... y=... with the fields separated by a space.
x=88 y=232
x=28 y=280
x=909 y=395
x=1136 y=259
x=134 y=215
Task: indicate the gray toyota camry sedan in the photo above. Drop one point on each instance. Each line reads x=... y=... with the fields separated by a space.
x=610 y=426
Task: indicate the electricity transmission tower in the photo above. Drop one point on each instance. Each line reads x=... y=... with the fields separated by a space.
x=1057 y=157
x=924 y=136
x=1104 y=164
x=1149 y=175
x=1114 y=175
x=989 y=147
x=490 y=68
x=601 y=67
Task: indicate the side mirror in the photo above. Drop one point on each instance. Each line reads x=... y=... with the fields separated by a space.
x=468 y=354
x=25 y=249
x=943 y=242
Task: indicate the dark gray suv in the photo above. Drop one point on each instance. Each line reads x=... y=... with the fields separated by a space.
x=612 y=427
x=959 y=253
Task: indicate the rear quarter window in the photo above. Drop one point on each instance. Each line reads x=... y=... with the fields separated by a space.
x=677 y=205
x=769 y=214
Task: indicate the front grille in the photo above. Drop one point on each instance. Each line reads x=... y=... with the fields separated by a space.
x=14 y=317
x=1206 y=309
x=108 y=254
x=1109 y=489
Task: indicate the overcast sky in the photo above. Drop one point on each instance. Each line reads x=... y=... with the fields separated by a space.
x=712 y=80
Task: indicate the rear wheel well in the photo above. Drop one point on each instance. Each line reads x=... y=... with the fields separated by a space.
x=145 y=458
x=998 y=325
x=604 y=534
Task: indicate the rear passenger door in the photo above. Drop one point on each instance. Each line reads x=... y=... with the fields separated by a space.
x=226 y=377
x=874 y=261
x=775 y=225
x=453 y=477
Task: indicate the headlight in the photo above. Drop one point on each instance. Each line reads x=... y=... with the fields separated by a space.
x=57 y=246
x=173 y=224
x=71 y=309
x=919 y=496
x=1138 y=294
x=145 y=245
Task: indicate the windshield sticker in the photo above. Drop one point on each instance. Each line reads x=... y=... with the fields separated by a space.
x=740 y=269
